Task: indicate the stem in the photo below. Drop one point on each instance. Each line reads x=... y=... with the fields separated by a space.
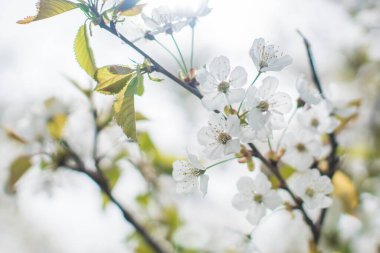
x=171 y=54
x=192 y=46
x=157 y=66
x=286 y=129
x=179 y=51
x=101 y=181
x=245 y=95
x=215 y=164
x=332 y=158
x=274 y=170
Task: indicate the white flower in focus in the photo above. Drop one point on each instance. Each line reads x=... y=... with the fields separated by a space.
x=221 y=136
x=267 y=57
x=313 y=189
x=318 y=119
x=301 y=150
x=249 y=135
x=308 y=93
x=255 y=195
x=162 y=20
x=266 y=106
x=189 y=175
x=219 y=87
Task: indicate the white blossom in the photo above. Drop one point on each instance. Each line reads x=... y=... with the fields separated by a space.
x=313 y=189
x=308 y=93
x=163 y=20
x=193 y=14
x=266 y=106
x=218 y=86
x=267 y=57
x=301 y=149
x=318 y=119
x=189 y=175
x=256 y=196
x=221 y=136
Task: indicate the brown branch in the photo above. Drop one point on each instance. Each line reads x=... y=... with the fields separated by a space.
x=332 y=158
x=101 y=181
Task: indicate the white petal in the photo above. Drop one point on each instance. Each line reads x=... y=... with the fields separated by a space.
x=280 y=102
x=231 y=147
x=214 y=101
x=235 y=95
x=238 y=77
x=272 y=199
x=194 y=161
x=252 y=98
x=207 y=82
x=255 y=51
x=205 y=136
x=279 y=64
x=181 y=170
x=256 y=213
x=214 y=151
x=217 y=122
x=268 y=87
x=220 y=68
x=277 y=121
x=188 y=186
x=257 y=119
x=203 y=184
x=245 y=185
x=262 y=184
x=241 y=201
x=233 y=125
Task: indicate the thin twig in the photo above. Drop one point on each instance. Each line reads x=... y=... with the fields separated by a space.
x=332 y=158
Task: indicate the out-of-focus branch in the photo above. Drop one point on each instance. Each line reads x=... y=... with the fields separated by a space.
x=332 y=158
x=101 y=181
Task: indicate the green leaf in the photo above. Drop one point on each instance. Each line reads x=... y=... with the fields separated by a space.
x=56 y=125
x=124 y=113
x=112 y=79
x=133 y=84
x=49 y=8
x=17 y=169
x=83 y=52
x=155 y=79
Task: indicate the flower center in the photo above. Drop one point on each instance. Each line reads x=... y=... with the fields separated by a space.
x=310 y=192
x=224 y=138
x=314 y=123
x=263 y=106
x=224 y=87
x=301 y=147
x=258 y=198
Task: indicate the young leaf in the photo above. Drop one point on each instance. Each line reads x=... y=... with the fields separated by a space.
x=83 y=52
x=112 y=79
x=124 y=113
x=17 y=169
x=56 y=125
x=49 y=8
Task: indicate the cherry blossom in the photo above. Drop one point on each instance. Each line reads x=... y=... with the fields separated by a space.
x=308 y=93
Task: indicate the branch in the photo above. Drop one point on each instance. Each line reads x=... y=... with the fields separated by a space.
x=101 y=181
x=157 y=67
x=332 y=158
x=299 y=203
x=194 y=91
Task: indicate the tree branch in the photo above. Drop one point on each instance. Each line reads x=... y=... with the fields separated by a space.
x=101 y=181
x=332 y=158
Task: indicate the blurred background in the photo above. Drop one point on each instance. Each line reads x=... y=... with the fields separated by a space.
x=62 y=211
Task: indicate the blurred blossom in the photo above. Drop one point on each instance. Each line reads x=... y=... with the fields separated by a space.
x=267 y=57
x=307 y=91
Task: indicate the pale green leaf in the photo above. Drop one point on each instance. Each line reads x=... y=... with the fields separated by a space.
x=49 y=8
x=56 y=126
x=17 y=169
x=112 y=79
x=124 y=113
x=83 y=52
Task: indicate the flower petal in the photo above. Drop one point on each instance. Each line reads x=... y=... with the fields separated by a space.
x=256 y=213
x=181 y=169
x=203 y=180
x=233 y=125
x=238 y=77
x=278 y=64
x=245 y=185
x=207 y=82
x=220 y=68
x=280 y=102
x=235 y=95
x=187 y=186
x=241 y=201
x=231 y=147
x=269 y=86
x=214 y=101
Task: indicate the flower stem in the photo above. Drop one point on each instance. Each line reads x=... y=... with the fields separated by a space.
x=245 y=95
x=192 y=46
x=180 y=53
x=171 y=54
x=215 y=164
x=286 y=129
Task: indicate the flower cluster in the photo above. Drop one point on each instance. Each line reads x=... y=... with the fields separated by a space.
x=242 y=114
